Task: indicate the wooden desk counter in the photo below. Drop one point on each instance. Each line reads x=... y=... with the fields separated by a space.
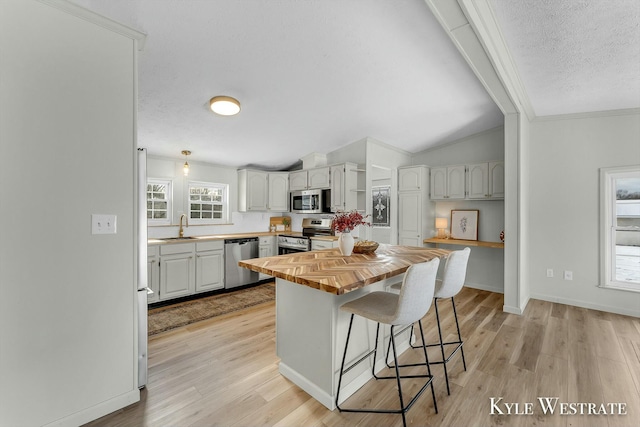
x=329 y=271
x=310 y=327
x=477 y=243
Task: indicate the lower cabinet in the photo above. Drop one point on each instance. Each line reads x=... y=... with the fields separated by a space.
x=177 y=278
x=209 y=266
x=186 y=268
x=266 y=248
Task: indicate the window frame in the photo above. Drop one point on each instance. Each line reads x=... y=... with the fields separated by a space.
x=608 y=228
x=225 y=202
x=169 y=185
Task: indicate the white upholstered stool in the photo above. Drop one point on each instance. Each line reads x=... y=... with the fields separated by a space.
x=455 y=271
x=405 y=308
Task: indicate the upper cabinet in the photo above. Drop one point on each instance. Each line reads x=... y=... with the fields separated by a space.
x=278 y=184
x=298 y=180
x=263 y=191
x=307 y=179
x=319 y=177
x=412 y=178
x=474 y=182
x=485 y=180
x=347 y=187
x=448 y=182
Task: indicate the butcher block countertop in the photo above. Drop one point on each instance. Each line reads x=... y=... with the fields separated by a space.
x=329 y=271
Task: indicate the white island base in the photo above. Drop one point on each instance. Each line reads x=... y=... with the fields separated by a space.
x=311 y=332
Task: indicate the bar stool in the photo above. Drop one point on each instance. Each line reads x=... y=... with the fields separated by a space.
x=455 y=271
x=402 y=309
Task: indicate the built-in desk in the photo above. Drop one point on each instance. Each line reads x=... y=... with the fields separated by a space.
x=311 y=330
x=436 y=241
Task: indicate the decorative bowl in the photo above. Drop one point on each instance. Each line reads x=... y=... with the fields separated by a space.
x=365 y=247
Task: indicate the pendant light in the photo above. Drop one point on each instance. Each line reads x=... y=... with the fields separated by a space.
x=224 y=105
x=186 y=164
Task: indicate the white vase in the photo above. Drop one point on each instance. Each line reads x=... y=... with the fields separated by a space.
x=345 y=243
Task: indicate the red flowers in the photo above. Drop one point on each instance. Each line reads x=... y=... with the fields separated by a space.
x=344 y=222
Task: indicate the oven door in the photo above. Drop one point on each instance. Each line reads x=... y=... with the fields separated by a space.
x=283 y=250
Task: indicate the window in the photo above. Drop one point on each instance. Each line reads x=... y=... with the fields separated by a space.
x=620 y=228
x=158 y=202
x=208 y=202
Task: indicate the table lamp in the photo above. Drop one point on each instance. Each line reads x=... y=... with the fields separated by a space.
x=441 y=226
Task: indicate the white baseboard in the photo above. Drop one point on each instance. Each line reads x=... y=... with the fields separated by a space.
x=512 y=310
x=483 y=287
x=328 y=400
x=586 y=304
x=97 y=411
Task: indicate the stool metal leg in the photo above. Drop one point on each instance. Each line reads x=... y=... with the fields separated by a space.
x=344 y=357
x=426 y=359
x=453 y=304
x=444 y=363
x=395 y=362
x=440 y=343
x=392 y=343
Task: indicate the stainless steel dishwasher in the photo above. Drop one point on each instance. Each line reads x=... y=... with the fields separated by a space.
x=236 y=250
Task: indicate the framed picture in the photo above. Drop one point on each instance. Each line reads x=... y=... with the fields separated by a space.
x=380 y=197
x=464 y=224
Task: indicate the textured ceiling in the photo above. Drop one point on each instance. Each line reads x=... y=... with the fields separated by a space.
x=315 y=75
x=311 y=76
x=574 y=56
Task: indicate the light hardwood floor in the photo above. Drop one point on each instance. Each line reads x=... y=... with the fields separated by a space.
x=224 y=371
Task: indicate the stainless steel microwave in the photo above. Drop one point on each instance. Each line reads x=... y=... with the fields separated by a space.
x=311 y=201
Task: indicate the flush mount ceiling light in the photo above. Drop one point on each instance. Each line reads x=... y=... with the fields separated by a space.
x=185 y=168
x=224 y=105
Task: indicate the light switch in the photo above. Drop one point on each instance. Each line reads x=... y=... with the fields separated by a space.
x=103 y=224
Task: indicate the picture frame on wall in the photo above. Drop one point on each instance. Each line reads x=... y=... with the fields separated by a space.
x=464 y=224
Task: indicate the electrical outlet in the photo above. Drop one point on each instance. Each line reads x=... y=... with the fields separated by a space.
x=103 y=224
x=549 y=272
x=568 y=275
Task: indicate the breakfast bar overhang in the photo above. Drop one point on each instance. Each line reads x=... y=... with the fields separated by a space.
x=310 y=328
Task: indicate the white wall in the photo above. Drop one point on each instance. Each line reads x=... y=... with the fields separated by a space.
x=565 y=156
x=67 y=151
x=239 y=222
x=486 y=265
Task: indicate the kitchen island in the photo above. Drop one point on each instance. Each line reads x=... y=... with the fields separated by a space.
x=311 y=330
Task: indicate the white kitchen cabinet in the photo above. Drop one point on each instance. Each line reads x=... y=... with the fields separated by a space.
x=278 y=183
x=347 y=188
x=319 y=178
x=448 y=182
x=252 y=190
x=263 y=191
x=496 y=179
x=307 y=179
x=411 y=178
x=209 y=266
x=266 y=248
x=153 y=274
x=298 y=180
x=177 y=270
x=485 y=180
x=415 y=209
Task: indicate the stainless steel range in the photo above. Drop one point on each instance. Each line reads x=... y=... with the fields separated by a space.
x=291 y=243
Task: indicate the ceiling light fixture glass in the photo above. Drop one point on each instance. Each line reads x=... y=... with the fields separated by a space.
x=224 y=105
x=185 y=168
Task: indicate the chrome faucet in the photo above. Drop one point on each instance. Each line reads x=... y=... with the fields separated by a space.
x=181 y=230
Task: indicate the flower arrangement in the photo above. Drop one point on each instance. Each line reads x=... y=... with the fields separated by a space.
x=344 y=222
